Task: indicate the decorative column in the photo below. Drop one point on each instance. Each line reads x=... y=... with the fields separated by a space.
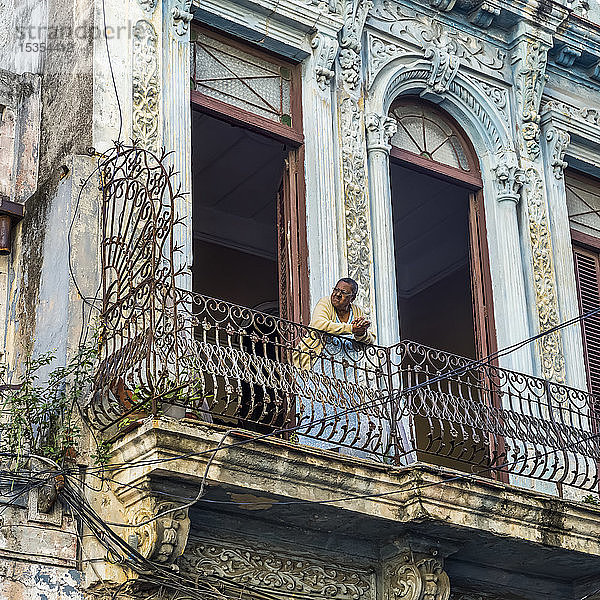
x=380 y=129
x=415 y=576
x=508 y=181
x=555 y=140
x=321 y=194
x=359 y=249
x=177 y=129
x=529 y=57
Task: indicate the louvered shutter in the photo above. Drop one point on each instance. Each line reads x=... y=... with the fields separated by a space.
x=587 y=269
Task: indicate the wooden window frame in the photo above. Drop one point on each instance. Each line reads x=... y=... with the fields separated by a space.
x=296 y=305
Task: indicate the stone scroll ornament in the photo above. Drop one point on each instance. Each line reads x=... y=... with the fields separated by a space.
x=145 y=86
x=359 y=249
x=160 y=530
x=416 y=578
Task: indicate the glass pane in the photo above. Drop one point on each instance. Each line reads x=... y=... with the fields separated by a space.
x=425 y=131
x=583 y=204
x=445 y=154
x=229 y=74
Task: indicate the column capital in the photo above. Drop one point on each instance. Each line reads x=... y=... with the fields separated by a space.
x=509 y=181
x=380 y=130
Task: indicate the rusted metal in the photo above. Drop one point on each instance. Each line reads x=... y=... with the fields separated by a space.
x=5 y=227
x=167 y=350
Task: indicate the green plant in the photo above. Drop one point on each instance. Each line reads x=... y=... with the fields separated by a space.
x=591 y=499
x=38 y=413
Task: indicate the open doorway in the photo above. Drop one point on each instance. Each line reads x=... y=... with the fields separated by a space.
x=433 y=274
x=442 y=281
x=248 y=180
x=237 y=181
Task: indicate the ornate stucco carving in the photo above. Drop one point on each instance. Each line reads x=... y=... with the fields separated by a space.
x=333 y=7
x=357 y=219
x=380 y=130
x=159 y=538
x=148 y=6
x=550 y=346
x=275 y=571
x=359 y=250
x=180 y=11
x=444 y=66
x=431 y=38
x=324 y=50
x=498 y=95
x=415 y=578
x=587 y=115
x=145 y=85
x=509 y=180
x=355 y=14
x=557 y=140
x=530 y=80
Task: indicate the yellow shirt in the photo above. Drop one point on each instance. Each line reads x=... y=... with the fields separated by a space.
x=324 y=318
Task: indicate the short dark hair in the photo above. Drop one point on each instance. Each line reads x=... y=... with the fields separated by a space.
x=351 y=283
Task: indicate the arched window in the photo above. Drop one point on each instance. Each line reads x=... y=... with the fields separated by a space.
x=440 y=247
x=430 y=138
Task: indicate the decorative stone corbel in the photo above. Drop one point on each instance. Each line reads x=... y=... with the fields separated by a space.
x=159 y=530
x=182 y=16
x=415 y=577
x=531 y=79
x=380 y=130
x=509 y=181
x=443 y=5
x=558 y=141
x=484 y=15
x=566 y=56
x=594 y=72
x=325 y=50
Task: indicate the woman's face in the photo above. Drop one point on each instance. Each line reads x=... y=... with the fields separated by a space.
x=342 y=296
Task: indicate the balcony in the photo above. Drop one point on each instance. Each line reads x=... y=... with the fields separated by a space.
x=245 y=370
x=231 y=424
x=174 y=353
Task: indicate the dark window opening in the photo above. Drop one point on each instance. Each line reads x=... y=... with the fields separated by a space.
x=237 y=178
x=433 y=273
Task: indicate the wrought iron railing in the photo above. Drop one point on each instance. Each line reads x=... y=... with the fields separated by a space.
x=168 y=351
x=245 y=369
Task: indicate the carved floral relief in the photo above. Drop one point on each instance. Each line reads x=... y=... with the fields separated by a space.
x=277 y=572
x=145 y=85
x=431 y=37
x=550 y=346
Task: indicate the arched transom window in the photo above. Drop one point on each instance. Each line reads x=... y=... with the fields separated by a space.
x=430 y=134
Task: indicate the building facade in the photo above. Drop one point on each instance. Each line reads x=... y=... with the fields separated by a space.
x=183 y=181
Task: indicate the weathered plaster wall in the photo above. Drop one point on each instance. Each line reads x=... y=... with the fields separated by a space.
x=67 y=86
